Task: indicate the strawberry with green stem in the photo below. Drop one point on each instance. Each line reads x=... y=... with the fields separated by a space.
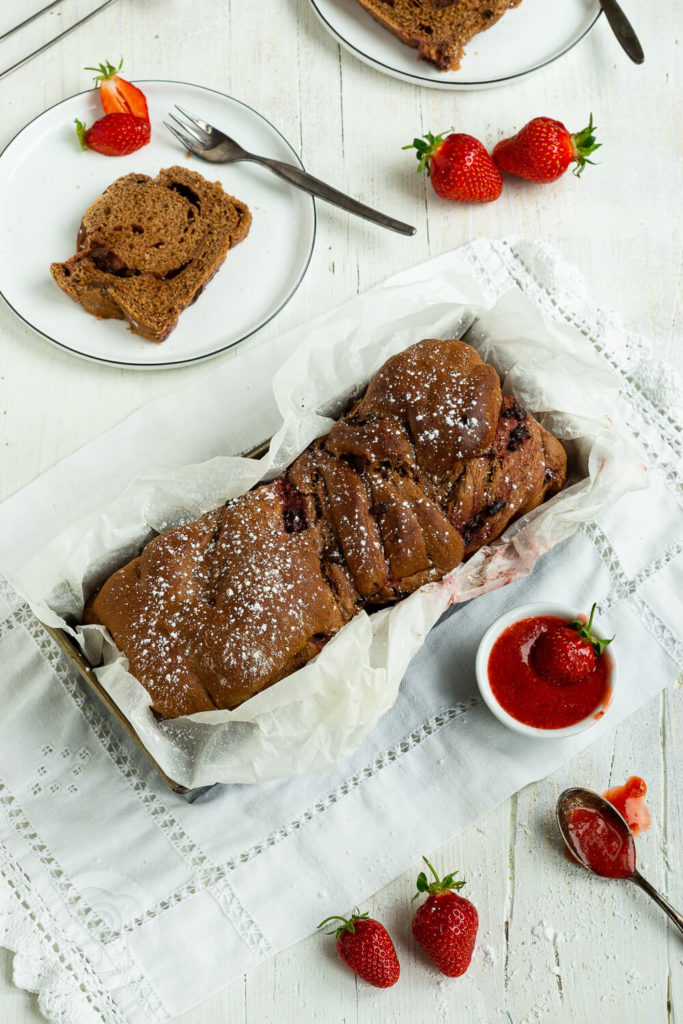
x=114 y=134
x=543 y=149
x=459 y=167
x=366 y=947
x=119 y=96
x=567 y=653
x=446 y=924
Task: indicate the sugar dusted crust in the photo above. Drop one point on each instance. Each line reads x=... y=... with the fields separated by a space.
x=429 y=465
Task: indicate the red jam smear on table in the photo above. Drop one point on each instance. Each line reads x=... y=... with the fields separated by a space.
x=535 y=701
x=629 y=800
x=601 y=844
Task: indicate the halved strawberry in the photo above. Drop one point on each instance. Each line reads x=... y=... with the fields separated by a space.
x=119 y=96
x=115 y=134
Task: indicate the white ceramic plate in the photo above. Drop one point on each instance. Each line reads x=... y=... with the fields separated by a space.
x=526 y=39
x=47 y=182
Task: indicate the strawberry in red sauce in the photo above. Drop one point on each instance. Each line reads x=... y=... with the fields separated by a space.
x=535 y=694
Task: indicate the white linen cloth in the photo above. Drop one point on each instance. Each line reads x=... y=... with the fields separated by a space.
x=127 y=904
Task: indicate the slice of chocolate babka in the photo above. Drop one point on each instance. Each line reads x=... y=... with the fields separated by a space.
x=439 y=29
x=147 y=248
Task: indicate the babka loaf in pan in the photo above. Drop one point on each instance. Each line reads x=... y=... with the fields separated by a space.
x=428 y=466
x=316 y=716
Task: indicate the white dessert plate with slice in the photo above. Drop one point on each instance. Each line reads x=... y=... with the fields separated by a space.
x=47 y=182
x=524 y=40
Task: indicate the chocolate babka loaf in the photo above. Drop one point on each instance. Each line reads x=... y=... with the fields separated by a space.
x=147 y=248
x=440 y=29
x=430 y=464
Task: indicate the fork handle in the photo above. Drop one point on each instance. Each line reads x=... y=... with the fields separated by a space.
x=295 y=176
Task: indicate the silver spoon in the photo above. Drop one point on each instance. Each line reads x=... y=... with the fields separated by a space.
x=623 y=30
x=572 y=799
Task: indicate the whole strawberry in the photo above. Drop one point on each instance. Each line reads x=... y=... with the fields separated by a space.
x=566 y=654
x=446 y=924
x=117 y=95
x=115 y=134
x=459 y=167
x=543 y=150
x=366 y=947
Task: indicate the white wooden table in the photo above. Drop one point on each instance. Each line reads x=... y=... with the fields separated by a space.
x=549 y=950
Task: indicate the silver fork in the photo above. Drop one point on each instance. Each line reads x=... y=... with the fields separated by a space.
x=209 y=143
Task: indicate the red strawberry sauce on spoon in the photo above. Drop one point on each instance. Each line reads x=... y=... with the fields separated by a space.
x=601 y=840
x=601 y=844
x=536 y=699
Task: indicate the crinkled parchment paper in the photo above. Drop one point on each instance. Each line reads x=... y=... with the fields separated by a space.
x=316 y=717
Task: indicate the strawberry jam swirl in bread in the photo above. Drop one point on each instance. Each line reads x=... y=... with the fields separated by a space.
x=429 y=465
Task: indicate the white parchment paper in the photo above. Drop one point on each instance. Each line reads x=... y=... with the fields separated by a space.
x=316 y=717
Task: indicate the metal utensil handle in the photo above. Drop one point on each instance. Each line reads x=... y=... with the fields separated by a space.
x=623 y=30
x=55 y=39
x=659 y=899
x=295 y=176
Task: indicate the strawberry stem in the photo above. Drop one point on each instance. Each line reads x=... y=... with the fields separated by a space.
x=426 y=148
x=80 y=131
x=584 y=144
x=105 y=71
x=584 y=629
x=347 y=923
x=445 y=884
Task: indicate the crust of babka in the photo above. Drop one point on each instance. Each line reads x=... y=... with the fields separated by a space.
x=429 y=465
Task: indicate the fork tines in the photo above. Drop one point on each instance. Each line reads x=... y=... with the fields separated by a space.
x=196 y=135
x=184 y=140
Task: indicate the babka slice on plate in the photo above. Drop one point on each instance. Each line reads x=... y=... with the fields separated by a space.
x=439 y=29
x=147 y=248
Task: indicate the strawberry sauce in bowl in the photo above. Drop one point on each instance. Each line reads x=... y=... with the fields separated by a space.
x=539 y=677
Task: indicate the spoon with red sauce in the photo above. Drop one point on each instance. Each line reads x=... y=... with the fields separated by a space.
x=599 y=838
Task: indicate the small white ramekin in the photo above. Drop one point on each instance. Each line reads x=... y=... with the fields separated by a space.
x=529 y=611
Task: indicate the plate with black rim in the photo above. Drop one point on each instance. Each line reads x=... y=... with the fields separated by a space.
x=47 y=182
x=524 y=40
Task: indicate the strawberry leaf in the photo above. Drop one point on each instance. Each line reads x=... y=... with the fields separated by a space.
x=105 y=71
x=585 y=631
x=80 y=131
x=584 y=144
x=347 y=925
x=447 y=884
x=425 y=149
